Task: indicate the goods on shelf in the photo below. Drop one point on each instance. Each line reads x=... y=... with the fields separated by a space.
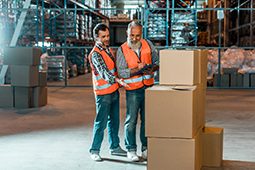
x=183 y=28
x=157 y=27
x=56 y=68
x=231 y=58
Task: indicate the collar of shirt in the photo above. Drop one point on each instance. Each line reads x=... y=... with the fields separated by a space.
x=107 y=50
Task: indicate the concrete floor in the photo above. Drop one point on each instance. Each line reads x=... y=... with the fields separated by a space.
x=58 y=135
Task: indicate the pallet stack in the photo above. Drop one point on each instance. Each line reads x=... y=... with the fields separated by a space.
x=175 y=111
x=28 y=84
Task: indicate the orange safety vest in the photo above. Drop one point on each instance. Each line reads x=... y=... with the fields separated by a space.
x=102 y=87
x=132 y=59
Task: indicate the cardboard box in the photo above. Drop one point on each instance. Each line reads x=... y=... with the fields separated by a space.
x=224 y=80
x=179 y=67
x=173 y=111
x=22 y=56
x=203 y=106
x=42 y=78
x=25 y=76
x=239 y=80
x=212 y=146
x=40 y=96
x=6 y=96
x=230 y=70
x=175 y=154
x=246 y=80
x=24 y=97
x=233 y=80
x=203 y=68
x=252 y=80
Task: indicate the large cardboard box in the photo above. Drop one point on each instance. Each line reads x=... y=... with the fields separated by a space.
x=6 y=96
x=40 y=96
x=22 y=56
x=179 y=67
x=173 y=111
x=212 y=146
x=175 y=154
x=203 y=67
x=25 y=76
x=42 y=78
x=24 y=97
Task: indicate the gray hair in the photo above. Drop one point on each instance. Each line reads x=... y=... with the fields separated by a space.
x=134 y=23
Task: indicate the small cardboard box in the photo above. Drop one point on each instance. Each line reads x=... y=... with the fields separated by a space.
x=175 y=154
x=246 y=80
x=25 y=76
x=212 y=146
x=233 y=80
x=6 y=96
x=179 y=67
x=22 y=56
x=40 y=96
x=239 y=80
x=24 y=97
x=42 y=78
x=173 y=111
x=252 y=80
x=230 y=70
x=224 y=80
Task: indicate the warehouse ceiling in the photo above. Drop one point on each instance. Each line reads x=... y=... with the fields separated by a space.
x=141 y=2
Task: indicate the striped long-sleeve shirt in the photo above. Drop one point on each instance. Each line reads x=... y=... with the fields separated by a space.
x=100 y=66
x=122 y=66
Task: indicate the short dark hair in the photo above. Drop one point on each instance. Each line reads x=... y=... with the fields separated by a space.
x=98 y=27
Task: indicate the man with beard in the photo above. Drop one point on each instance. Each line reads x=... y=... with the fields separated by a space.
x=105 y=85
x=132 y=56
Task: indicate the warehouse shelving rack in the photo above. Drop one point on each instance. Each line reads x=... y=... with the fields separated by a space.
x=62 y=46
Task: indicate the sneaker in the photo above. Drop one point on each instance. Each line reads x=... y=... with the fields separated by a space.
x=133 y=156
x=118 y=151
x=95 y=156
x=144 y=154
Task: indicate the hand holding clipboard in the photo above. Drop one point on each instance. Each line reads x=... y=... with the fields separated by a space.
x=144 y=69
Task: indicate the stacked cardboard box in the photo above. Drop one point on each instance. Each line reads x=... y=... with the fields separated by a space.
x=28 y=85
x=175 y=111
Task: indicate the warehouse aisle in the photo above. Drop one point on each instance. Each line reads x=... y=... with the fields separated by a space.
x=58 y=136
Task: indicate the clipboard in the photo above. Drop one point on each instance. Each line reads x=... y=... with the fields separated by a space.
x=144 y=68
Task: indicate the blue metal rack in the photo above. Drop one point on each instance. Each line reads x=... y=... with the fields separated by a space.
x=47 y=28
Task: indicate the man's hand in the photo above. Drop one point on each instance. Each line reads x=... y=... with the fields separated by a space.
x=141 y=65
x=121 y=82
x=150 y=70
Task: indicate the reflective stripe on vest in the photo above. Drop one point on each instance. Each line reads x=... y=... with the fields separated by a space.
x=102 y=87
x=148 y=76
x=133 y=80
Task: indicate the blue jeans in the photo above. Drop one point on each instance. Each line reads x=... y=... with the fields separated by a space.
x=135 y=105
x=107 y=107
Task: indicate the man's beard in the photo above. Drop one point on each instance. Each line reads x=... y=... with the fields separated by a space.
x=134 y=46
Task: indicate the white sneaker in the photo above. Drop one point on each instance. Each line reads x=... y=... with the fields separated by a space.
x=144 y=154
x=95 y=156
x=133 y=156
